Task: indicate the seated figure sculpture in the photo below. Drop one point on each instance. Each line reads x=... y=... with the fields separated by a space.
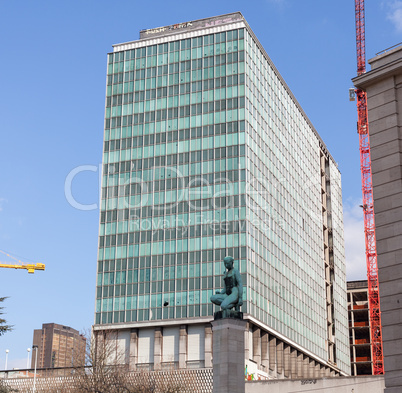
x=231 y=296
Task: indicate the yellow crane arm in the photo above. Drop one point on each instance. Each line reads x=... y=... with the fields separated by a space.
x=30 y=267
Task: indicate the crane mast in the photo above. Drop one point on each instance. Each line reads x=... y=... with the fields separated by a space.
x=368 y=206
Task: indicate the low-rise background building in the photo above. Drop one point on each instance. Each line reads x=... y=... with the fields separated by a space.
x=58 y=346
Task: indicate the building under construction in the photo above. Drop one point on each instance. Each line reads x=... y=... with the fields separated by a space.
x=359 y=328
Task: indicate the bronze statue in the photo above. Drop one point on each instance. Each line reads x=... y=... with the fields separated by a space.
x=231 y=295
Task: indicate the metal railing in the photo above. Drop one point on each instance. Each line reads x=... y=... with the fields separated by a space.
x=388 y=49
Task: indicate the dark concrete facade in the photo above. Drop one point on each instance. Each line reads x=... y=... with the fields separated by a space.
x=228 y=355
x=383 y=85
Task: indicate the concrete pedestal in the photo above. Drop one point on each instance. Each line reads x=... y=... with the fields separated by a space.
x=228 y=355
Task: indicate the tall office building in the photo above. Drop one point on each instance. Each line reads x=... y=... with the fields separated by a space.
x=207 y=153
x=58 y=346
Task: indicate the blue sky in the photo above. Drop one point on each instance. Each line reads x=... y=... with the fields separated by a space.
x=52 y=79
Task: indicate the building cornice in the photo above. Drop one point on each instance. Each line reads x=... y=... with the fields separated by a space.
x=382 y=72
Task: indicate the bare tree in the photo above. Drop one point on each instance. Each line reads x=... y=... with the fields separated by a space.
x=102 y=372
x=106 y=371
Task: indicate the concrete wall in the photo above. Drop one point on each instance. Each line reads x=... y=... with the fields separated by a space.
x=197 y=381
x=383 y=85
x=266 y=355
x=361 y=384
x=201 y=382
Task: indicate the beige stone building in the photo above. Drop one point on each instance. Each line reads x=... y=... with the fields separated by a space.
x=383 y=85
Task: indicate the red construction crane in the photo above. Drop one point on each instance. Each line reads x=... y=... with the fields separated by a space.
x=368 y=207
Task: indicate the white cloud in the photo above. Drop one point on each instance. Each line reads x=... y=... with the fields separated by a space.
x=356 y=268
x=395 y=14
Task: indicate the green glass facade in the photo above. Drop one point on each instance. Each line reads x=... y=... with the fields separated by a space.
x=207 y=154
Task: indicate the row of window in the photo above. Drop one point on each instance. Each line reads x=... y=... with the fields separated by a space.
x=130 y=141
x=141 y=92
x=140 y=284
x=171 y=296
x=142 y=281
x=212 y=191
x=145 y=281
x=175 y=57
x=173 y=148
x=154 y=198
x=171 y=159
x=172 y=113
x=213 y=187
x=165 y=167
x=226 y=76
x=168 y=97
x=169 y=233
x=180 y=258
x=184 y=122
x=178 y=226
x=207 y=196
x=218 y=153
x=161 y=177
x=173 y=46
x=172 y=233
x=169 y=246
x=147 y=287
x=167 y=221
x=160 y=124
x=176 y=67
x=157 y=313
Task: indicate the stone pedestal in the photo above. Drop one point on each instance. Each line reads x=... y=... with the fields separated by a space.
x=228 y=355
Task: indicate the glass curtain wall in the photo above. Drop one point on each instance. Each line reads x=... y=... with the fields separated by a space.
x=173 y=184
